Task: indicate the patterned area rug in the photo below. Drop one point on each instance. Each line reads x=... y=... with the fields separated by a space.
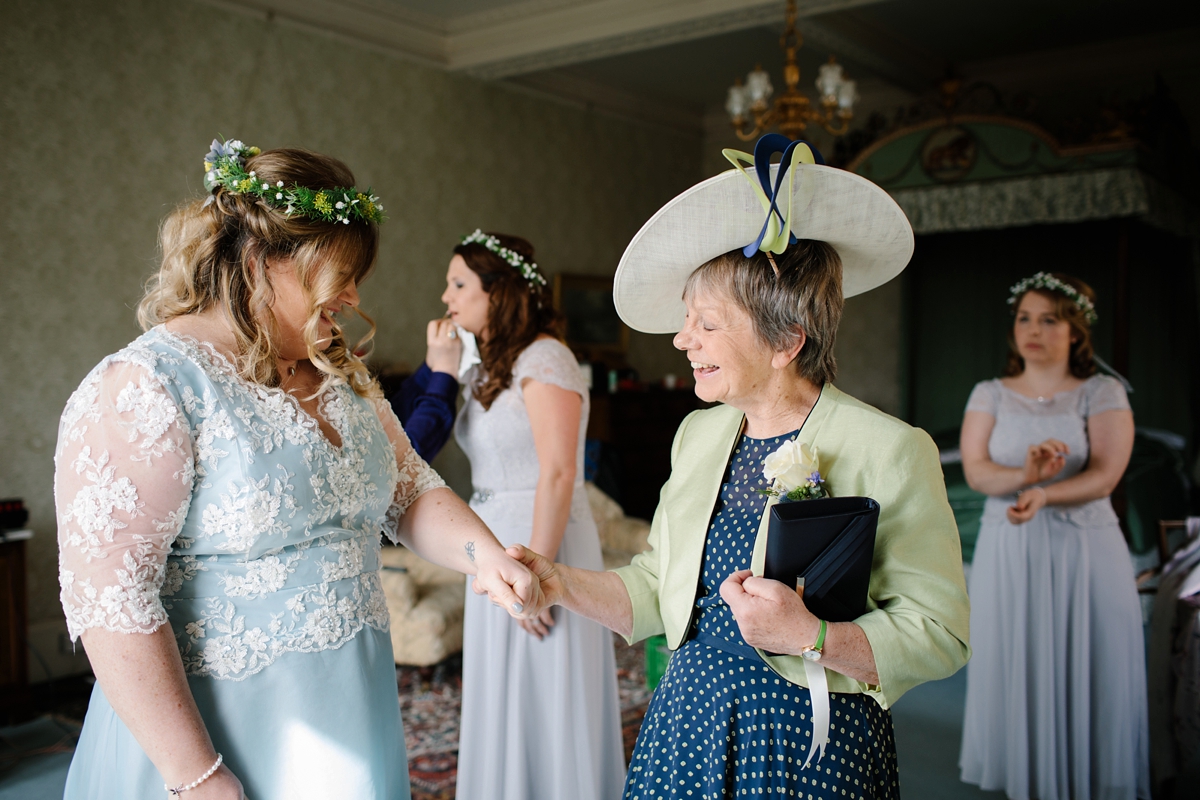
x=431 y=700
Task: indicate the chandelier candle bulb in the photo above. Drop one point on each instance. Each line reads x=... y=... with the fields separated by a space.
x=752 y=112
x=847 y=96
x=737 y=102
x=758 y=86
x=830 y=81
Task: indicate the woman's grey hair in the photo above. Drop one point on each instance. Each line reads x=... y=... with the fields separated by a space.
x=805 y=296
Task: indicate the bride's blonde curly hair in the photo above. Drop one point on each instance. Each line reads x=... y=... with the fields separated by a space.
x=215 y=253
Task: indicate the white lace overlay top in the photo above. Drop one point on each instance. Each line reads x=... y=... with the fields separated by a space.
x=499 y=441
x=190 y=496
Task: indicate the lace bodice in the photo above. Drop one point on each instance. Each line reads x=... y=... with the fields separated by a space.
x=186 y=494
x=499 y=441
x=1022 y=421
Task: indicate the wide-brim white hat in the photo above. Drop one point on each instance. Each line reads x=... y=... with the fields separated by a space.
x=860 y=220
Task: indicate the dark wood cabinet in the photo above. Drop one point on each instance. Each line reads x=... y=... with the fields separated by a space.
x=639 y=427
x=14 y=658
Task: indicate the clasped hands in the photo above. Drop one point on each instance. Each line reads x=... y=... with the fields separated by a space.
x=535 y=597
x=511 y=585
x=1042 y=462
x=770 y=615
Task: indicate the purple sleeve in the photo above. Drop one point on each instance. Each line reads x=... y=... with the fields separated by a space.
x=425 y=406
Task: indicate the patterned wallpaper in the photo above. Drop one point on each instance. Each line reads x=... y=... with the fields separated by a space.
x=106 y=109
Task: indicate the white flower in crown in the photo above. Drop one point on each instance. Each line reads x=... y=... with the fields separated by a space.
x=794 y=472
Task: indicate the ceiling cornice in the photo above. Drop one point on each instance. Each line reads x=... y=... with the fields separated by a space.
x=533 y=35
x=375 y=23
x=603 y=28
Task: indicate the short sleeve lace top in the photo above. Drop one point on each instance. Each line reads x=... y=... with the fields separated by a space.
x=499 y=440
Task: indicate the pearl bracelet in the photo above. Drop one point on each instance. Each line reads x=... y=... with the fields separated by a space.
x=180 y=789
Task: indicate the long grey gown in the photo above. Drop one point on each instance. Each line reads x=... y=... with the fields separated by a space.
x=1056 y=687
x=540 y=719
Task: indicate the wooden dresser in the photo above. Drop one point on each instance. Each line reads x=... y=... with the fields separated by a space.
x=14 y=656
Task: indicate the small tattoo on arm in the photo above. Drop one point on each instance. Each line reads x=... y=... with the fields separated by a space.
x=470 y=547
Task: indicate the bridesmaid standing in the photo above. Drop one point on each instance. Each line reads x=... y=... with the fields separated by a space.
x=1056 y=690
x=540 y=714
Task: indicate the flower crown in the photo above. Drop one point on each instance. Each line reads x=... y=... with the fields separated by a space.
x=1044 y=280
x=528 y=269
x=224 y=166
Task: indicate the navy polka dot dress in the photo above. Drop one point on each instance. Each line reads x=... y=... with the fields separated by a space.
x=722 y=723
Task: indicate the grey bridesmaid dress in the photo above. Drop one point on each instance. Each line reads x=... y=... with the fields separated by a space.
x=1056 y=688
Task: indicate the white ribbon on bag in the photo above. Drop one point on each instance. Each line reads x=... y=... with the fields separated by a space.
x=818 y=691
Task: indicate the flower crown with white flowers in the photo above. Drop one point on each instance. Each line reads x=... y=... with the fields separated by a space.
x=528 y=269
x=1044 y=280
x=225 y=166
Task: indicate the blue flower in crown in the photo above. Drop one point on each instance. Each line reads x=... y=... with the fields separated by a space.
x=225 y=167
x=222 y=155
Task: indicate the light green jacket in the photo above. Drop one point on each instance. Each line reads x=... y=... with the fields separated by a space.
x=917 y=612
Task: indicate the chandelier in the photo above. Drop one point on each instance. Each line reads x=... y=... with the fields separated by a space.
x=792 y=112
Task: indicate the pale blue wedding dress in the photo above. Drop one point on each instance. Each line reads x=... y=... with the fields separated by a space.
x=188 y=496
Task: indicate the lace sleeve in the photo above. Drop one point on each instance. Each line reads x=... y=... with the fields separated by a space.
x=414 y=478
x=549 y=361
x=123 y=474
x=1104 y=394
x=983 y=398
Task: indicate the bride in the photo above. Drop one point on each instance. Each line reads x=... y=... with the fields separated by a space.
x=540 y=714
x=221 y=484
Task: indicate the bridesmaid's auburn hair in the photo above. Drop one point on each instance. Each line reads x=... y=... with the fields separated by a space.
x=518 y=313
x=1081 y=361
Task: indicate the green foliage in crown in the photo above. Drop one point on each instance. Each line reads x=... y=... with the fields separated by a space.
x=225 y=167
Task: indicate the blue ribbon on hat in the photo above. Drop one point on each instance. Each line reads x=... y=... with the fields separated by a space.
x=776 y=233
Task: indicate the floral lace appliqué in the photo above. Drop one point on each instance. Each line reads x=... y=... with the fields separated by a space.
x=187 y=495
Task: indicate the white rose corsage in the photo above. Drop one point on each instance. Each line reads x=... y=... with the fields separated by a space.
x=794 y=473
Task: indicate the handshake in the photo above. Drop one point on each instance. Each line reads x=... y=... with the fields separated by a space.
x=525 y=584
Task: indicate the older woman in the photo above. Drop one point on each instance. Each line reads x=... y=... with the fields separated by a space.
x=733 y=714
x=1052 y=581
x=221 y=485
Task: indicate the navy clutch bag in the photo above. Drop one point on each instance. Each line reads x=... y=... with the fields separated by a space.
x=830 y=543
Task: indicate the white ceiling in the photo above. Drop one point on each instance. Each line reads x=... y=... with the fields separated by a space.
x=671 y=61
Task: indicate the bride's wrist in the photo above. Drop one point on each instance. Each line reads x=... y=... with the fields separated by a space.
x=186 y=771
x=483 y=555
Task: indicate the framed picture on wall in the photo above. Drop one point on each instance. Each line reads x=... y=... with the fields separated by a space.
x=593 y=326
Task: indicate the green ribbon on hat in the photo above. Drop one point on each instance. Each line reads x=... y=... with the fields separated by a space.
x=776 y=233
